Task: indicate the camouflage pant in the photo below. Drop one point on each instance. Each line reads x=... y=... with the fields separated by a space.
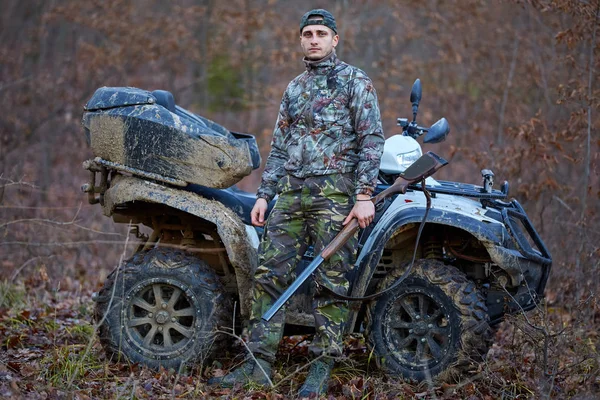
x=308 y=211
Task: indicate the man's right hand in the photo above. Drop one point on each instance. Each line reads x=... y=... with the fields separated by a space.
x=258 y=212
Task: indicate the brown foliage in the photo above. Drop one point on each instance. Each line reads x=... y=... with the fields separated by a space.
x=517 y=81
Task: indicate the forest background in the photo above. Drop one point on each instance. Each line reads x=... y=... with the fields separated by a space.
x=517 y=81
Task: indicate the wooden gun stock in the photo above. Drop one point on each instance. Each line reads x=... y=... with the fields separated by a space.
x=425 y=166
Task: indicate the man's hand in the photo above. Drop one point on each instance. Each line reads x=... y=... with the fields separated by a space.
x=258 y=212
x=363 y=211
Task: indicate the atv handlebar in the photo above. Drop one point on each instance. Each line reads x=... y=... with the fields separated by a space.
x=411 y=128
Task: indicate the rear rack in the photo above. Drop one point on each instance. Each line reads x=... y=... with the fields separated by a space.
x=139 y=172
x=99 y=165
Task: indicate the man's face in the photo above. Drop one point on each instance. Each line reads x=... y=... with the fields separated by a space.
x=317 y=41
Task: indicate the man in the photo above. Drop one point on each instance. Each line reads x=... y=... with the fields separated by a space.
x=323 y=164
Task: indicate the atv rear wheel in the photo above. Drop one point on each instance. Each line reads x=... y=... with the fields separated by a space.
x=432 y=325
x=162 y=308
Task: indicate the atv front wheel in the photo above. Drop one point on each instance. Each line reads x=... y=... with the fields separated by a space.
x=434 y=323
x=162 y=308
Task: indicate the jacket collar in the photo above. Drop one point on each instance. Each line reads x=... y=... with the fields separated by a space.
x=322 y=66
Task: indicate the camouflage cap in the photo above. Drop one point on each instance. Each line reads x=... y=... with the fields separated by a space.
x=327 y=20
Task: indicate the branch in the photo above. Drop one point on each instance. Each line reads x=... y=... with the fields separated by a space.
x=586 y=172
x=586 y=167
x=251 y=356
x=64 y=244
x=38 y=208
x=13 y=83
x=18 y=270
x=44 y=220
x=98 y=324
x=13 y=183
x=51 y=222
x=561 y=202
x=511 y=73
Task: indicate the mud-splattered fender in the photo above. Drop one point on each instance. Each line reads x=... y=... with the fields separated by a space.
x=230 y=227
x=410 y=208
x=374 y=245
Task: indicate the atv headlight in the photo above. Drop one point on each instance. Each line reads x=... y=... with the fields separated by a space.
x=406 y=159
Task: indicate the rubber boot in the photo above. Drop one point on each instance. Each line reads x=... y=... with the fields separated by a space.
x=244 y=374
x=317 y=378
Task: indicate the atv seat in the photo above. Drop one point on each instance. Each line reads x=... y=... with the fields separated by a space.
x=233 y=198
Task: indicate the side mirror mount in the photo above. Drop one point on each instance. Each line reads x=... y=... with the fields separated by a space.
x=415 y=97
x=438 y=132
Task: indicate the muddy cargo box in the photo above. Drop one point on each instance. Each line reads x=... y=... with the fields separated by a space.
x=147 y=131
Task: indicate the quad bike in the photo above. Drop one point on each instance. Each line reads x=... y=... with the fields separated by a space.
x=172 y=302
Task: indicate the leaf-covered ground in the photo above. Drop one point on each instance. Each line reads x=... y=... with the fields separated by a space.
x=49 y=351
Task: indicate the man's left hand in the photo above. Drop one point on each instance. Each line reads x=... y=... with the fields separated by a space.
x=363 y=211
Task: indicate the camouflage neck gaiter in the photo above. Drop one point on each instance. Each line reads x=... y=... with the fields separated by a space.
x=324 y=64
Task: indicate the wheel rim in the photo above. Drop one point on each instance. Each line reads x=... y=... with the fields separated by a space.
x=161 y=318
x=417 y=329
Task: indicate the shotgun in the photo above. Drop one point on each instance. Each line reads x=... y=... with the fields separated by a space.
x=425 y=166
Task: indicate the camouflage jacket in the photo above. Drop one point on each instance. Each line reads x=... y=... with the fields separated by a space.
x=328 y=122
